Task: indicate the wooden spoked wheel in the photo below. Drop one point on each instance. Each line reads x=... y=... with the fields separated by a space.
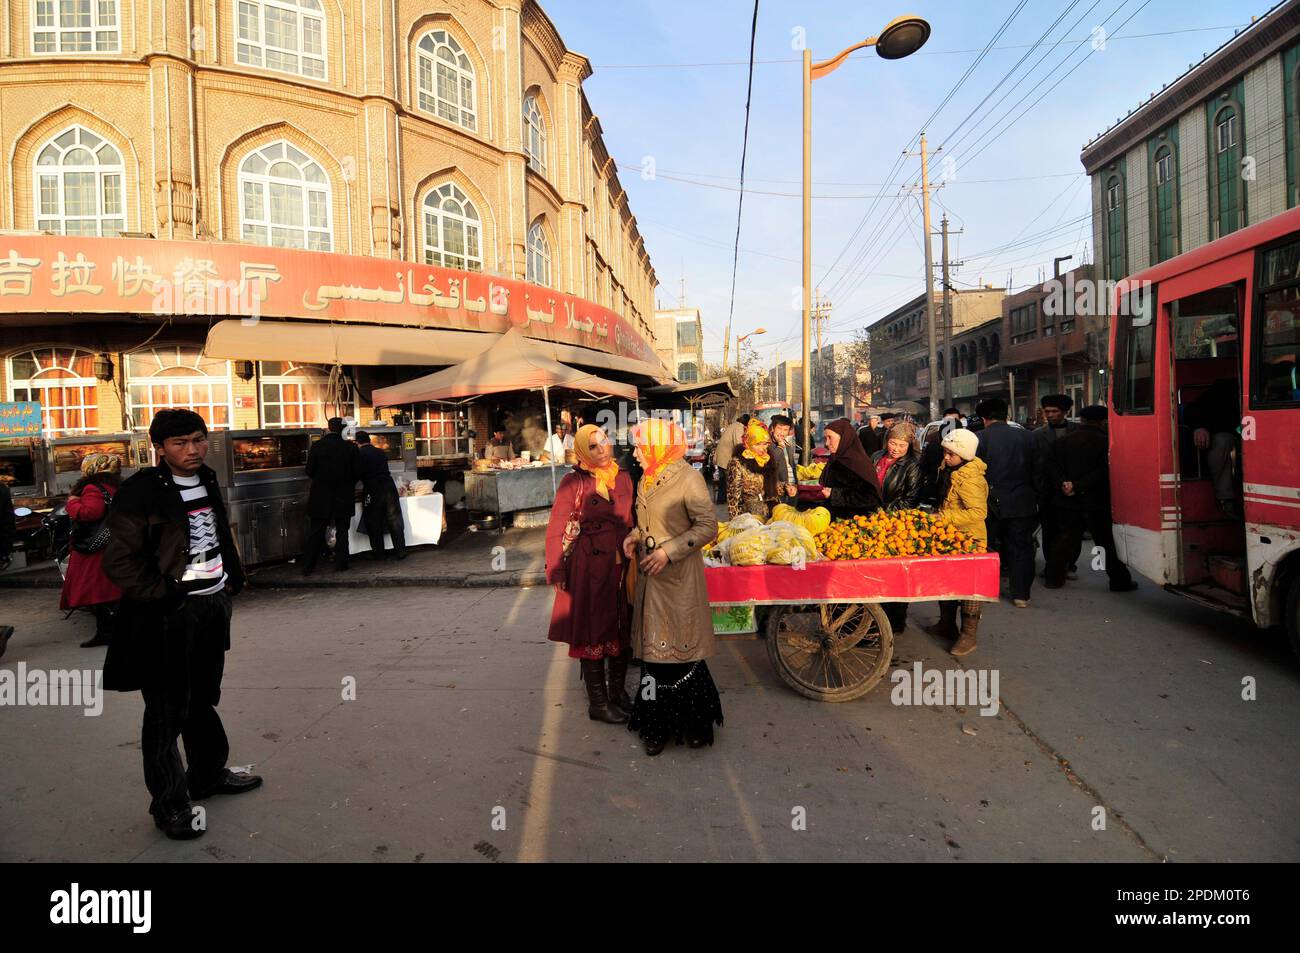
x=832 y=653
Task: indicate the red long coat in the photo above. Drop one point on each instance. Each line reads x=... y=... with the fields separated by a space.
x=591 y=613
x=86 y=584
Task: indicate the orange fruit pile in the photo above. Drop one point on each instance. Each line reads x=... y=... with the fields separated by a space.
x=889 y=535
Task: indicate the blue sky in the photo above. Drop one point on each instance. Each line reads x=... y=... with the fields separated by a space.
x=688 y=120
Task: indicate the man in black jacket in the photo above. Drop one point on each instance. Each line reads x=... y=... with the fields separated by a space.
x=1213 y=418
x=334 y=467
x=7 y=533
x=1010 y=454
x=1057 y=425
x=1078 y=476
x=173 y=555
x=382 y=510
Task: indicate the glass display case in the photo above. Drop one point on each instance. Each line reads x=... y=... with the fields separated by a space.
x=67 y=454
x=272 y=451
x=21 y=468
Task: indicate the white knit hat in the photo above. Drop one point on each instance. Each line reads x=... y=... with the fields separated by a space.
x=964 y=443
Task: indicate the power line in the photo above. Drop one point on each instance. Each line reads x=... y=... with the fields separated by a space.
x=740 y=202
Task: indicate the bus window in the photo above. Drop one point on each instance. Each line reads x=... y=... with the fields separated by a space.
x=1135 y=339
x=1206 y=336
x=1277 y=332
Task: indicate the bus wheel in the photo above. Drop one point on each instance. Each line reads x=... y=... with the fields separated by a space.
x=1291 y=622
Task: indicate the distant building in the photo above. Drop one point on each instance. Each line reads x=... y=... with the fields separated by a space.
x=679 y=342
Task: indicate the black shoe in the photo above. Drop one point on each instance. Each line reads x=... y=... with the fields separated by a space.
x=97 y=639
x=1124 y=586
x=178 y=825
x=654 y=748
x=230 y=783
x=695 y=742
x=1050 y=584
x=6 y=632
x=402 y=554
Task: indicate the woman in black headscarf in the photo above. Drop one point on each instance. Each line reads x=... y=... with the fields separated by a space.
x=848 y=482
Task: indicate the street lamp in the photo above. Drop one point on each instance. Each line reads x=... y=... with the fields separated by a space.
x=901 y=37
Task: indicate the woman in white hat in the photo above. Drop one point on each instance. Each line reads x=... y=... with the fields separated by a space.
x=963 y=495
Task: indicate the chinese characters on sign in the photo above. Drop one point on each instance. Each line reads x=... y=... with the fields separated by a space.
x=20 y=419
x=218 y=279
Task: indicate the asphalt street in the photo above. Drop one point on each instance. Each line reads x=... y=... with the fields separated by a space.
x=468 y=740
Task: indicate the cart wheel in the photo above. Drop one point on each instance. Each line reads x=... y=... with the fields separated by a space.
x=830 y=653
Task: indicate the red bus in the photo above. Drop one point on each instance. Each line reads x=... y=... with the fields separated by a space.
x=1205 y=423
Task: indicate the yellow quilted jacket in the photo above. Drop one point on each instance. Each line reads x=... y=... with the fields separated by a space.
x=967 y=502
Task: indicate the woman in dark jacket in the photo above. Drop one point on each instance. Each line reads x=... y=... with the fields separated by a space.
x=591 y=612
x=85 y=586
x=848 y=481
x=898 y=470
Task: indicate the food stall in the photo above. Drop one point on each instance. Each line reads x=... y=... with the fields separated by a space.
x=67 y=453
x=24 y=465
x=508 y=365
x=261 y=474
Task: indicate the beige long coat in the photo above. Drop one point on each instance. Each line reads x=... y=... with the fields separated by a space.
x=671 y=619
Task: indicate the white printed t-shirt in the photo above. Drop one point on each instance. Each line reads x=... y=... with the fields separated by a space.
x=205 y=545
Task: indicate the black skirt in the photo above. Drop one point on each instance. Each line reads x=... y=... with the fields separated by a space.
x=683 y=703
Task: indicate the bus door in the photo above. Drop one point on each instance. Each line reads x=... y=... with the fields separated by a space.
x=1204 y=310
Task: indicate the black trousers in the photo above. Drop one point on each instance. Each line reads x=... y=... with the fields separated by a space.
x=1015 y=539
x=1069 y=539
x=185 y=705
x=316 y=541
x=382 y=513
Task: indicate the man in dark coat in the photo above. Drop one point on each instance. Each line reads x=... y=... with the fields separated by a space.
x=1056 y=408
x=1214 y=417
x=382 y=510
x=1010 y=454
x=7 y=533
x=173 y=555
x=1078 y=476
x=334 y=467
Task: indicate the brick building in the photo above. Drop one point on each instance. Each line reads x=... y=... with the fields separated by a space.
x=454 y=138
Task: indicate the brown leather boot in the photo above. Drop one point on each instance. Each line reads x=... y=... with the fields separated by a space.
x=946 y=627
x=598 y=706
x=618 y=680
x=970 y=621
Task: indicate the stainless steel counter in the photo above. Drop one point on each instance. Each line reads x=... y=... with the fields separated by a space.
x=507 y=491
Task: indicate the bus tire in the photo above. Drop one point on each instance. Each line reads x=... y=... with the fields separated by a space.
x=1291 y=618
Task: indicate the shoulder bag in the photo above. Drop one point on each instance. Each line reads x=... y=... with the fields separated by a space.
x=88 y=538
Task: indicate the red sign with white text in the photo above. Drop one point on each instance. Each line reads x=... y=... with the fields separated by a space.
x=47 y=273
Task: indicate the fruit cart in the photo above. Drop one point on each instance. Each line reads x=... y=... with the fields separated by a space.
x=824 y=623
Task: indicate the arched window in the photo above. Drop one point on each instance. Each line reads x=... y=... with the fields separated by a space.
x=79 y=185
x=1116 y=253
x=76 y=26
x=539 y=256
x=452 y=231
x=1226 y=199
x=62 y=380
x=688 y=372
x=1164 y=203
x=995 y=350
x=284 y=199
x=301 y=395
x=283 y=35
x=534 y=135
x=444 y=79
x=171 y=376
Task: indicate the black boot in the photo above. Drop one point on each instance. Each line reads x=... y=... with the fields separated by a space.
x=598 y=706
x=618 y=680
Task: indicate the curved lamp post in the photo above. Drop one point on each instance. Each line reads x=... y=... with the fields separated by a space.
x=901 y=37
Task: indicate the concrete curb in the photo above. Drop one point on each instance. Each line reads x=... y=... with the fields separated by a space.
x=330 y=580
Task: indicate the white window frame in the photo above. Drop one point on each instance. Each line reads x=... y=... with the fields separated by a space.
x=253 y=49
x=296 y=375
x=1230 y=124
x=1164 y=166
x=433 y=219
x=539 y=256
x=431 y=412
x=459 y=67
x=255 y=194
x=1113 y=197
x=106 y=223
x=34 y=388
x=96 y=25
x=168 y=356
x=535 y=135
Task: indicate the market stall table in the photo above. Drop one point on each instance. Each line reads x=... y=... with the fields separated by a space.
x=827 y=633
x=421 y=522
x=502 y=491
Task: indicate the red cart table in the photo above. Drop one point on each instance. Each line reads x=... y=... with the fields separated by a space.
x=827 y=634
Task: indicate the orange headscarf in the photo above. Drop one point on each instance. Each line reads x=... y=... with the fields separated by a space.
x=606 y=475
x=662 y=442
x=755 y=434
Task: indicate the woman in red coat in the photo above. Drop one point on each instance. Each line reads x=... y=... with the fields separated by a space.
x=86 y=586
x=591 y=613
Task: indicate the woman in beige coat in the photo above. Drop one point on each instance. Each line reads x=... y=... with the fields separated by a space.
x=672 y=625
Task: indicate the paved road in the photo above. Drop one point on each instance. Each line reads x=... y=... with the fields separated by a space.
x=464 y=714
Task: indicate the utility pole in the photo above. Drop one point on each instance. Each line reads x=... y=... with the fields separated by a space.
x=1060 y=322
x=820 y=310
x=929 y=282
x=947 y=318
